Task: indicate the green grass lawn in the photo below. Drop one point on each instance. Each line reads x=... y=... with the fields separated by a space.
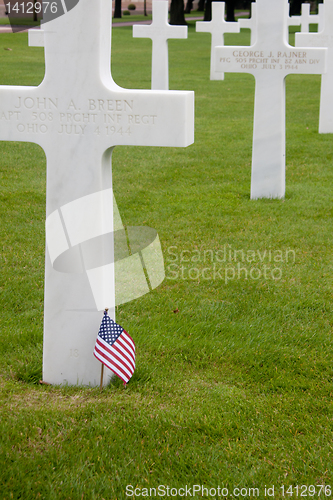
x=233 y=386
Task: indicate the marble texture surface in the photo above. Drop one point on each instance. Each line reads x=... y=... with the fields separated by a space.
x=77 y=115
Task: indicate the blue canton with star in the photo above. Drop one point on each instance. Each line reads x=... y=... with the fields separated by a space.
x=109 y=330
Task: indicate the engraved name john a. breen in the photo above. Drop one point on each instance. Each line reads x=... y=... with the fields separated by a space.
x=108 y=116
x=93 y=104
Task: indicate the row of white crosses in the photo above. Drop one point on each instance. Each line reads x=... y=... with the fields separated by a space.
x=77 y=115
x=218 y=27
x=160 y=31
x=306 y=18
x=270 y=59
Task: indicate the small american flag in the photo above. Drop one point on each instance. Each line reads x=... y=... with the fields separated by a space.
x=115 y=349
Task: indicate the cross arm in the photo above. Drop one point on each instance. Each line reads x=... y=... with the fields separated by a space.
x=218 y=28
x=203 y=27
x=294 y=21
x=165 y=32
x=109 y=116
x=217 y=25
x=146 y=118
x=159 y=28
x=313 y=40
x=143 y=31
x=21 y=110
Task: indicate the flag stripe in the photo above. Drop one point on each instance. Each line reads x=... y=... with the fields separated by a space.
x=113 y=350
x=130 y=338
x=128 y=360
x=128 y=355
x=112 y=359
x=127 y=345
x=111 y=363
x=115 y=370
x=111 y=367
x=111 y=354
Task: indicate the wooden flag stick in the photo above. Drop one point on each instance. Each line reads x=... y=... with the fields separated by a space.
x=102 y=367
x=102 y=373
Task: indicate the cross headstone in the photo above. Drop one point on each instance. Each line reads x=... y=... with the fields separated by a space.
x=269 y=60
x=250 y=23
x=323 y=39
x=217 y=27
x=134 y=246
x=306 y=18
x=159 y=31
x=77 y=115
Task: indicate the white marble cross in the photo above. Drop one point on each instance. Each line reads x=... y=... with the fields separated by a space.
x=134 y=246
x=306 y=18
x=159 y=31
x=323 y=39
x=270 y=60
x=250 y=23
x=77 y=115
x=217 y=27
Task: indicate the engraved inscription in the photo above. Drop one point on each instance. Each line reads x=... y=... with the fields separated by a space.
x=72 y=129
x=37 y=103
x=9 y=115
x=268 y=60
x=110 y=104
x=96 y=116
